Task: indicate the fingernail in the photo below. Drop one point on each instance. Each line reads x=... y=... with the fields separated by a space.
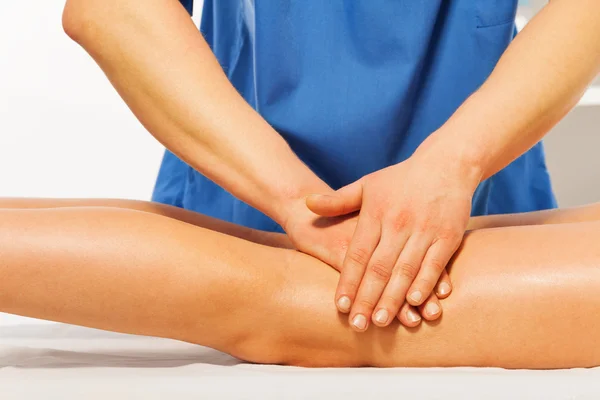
x=443 y=288
x=360 y=322
x=382 y=316
x=344 y=303
x=412 y=316
x=416 y=296
x=432 y=309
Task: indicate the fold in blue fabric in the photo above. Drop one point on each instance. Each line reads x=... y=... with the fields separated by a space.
x=356 y=86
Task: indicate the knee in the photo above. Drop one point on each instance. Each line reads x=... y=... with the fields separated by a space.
x=300 y=324
x=74 y=19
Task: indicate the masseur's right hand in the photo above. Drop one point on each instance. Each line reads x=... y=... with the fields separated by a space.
x=328 y=239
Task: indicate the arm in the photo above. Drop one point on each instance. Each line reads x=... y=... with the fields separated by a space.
x=407 y=233
x=164 y=70
x=540 y=77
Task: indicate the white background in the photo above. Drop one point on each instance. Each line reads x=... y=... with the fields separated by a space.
x=64 y=131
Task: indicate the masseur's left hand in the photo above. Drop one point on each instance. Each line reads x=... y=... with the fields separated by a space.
x=413 y=214
x=412 y=219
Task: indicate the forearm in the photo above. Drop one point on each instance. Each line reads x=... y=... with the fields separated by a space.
x=164 y=70
x=536 y=82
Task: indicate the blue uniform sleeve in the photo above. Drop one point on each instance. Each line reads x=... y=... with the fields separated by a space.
x=188 y=4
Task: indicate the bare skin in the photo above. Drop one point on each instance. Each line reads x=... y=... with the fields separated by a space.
x=166 y=73
x=523 y=295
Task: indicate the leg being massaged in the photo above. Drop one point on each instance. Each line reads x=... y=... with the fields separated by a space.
x=525 y=296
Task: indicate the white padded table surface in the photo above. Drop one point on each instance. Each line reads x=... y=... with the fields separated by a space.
x=48 y=360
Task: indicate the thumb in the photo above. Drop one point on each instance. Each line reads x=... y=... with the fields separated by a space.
x=344 y=201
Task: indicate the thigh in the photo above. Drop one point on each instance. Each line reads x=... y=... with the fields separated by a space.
x=137 y=272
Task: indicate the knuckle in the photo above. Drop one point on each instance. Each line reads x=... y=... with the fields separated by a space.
x=380 y=270
x=379 y=197
x=376 y=212
x=358 y=256
x=425 y=286
x=401 y=221
x=349 y=287
x=437 y=264
x=365 y=303
x=407 y=269
x=391 y=301
x=450 y=234
x=426 y=225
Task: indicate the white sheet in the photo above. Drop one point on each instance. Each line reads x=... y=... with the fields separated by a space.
x=48 y=360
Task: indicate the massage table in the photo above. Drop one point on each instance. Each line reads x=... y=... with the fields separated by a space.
x=47 y=360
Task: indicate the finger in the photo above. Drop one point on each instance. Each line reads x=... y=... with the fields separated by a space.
x=407 y=267
x=434 y=263
x=444 y=287
x=431 y=309
x=393 y=296
x=344 y=201
x=409 y=316
x=364 y=241
x=374 y=281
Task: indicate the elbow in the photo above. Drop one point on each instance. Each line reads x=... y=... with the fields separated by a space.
x=73 y=19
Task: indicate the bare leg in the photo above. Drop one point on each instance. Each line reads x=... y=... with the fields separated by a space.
x=525 y=297
x=190 y=217
x=135 y=272
x=586 y=213
x=589 y=212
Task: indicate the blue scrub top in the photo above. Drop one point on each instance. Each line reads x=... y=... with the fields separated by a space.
x=355 y=86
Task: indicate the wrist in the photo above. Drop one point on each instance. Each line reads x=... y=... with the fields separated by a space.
x=474 y=135
x=454 y=156
x=291 y=200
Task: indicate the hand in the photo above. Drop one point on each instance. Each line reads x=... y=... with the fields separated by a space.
x=328 y=239
x=324 y=238
x=412 y=219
